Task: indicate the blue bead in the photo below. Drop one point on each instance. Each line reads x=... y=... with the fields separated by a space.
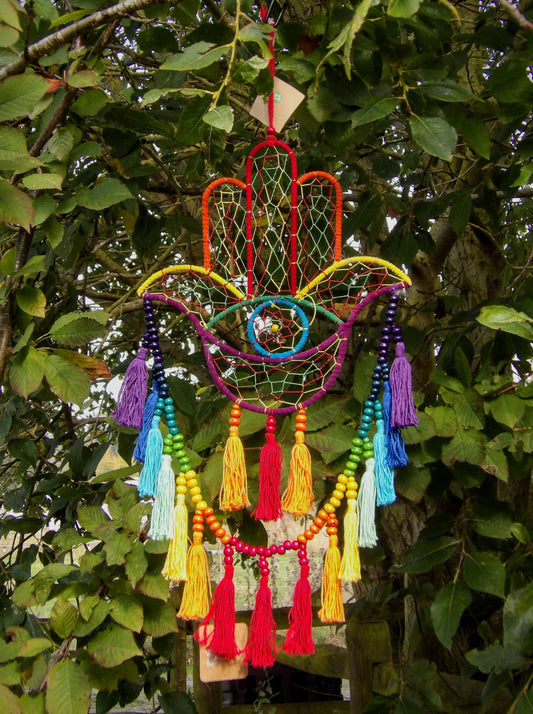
x=168 y=400
x=173 y=429
x=362 y=433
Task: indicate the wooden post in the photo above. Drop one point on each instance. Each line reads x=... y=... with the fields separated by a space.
x=207 y=697
x=368 y=643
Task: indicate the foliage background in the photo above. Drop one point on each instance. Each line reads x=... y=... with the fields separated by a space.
x=114 y=118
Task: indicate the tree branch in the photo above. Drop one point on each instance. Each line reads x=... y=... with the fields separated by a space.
x=51 y=42
x=517 y=16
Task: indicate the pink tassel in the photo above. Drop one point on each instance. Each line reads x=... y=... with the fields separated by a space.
x=221 y=641
x=270 y=463
x=299 y=638
x=261 y=647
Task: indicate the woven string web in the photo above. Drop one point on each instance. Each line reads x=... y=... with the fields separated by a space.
x=274 y=301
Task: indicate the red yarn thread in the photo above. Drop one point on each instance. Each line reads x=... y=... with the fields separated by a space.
x=299 y=638
x=270 y=463
x=221 y=640
x=260 y=650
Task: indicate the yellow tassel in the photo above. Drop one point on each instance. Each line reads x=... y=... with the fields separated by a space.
x=332 y=607
x=298 y=498
x=350 y=569
x=197 y=591
x=234 y=490
x=175 y=564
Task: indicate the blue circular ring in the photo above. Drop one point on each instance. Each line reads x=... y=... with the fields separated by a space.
x=259 y=309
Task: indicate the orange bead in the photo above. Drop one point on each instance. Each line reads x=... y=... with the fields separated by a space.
x=309 y=535
x=197 y=519
x=314 y=528
x=208 y=511
x=234 y=421
x=220 y=533
x=322 y=514
x=210 y=519
x=319 y=522
x=198 y=528
x=300 y=426
x=333 y=522
x=301 y=418
x=235 y=412
x=225 y=539
x=331 y=530
x=214 y=526
x=302 y=539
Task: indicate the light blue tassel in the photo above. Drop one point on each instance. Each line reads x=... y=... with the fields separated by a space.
x=161 y=525
x=152 y=461
x=148 y=414
x=396 y=454
x=366 y=508
x=384 y=473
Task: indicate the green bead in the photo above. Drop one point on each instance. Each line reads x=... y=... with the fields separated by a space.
x=184 y=461
x=167 y=449
x=351 y=464
x=349 y=472
x=367 y=440
x=357 y=449
x=180 y=454
x=178 y=437
x=368 y=455
x=356 y=441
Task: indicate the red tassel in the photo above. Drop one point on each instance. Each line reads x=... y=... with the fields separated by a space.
x=270 y=463
x=261 y=647
x=299 y=638
x=221 y=640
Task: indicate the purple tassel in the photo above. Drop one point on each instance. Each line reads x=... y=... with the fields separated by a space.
x=396 y=454
x=132 y=394
x=384 y=473
x=139 y=452
x=403 y=413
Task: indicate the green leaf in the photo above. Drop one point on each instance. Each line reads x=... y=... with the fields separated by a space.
x=15 y=205
x=220 y=117
x=434 y=135
x=426 y=553
x=32 y=267
x=9 y=14
x=507 y=409
x=425 y=429
x=91 y=517
x=464 y=446
x=406 y=705
x=19 y=95
x=500 y=317
x=447 y=91
x=63 y=617
x=68 y=690
x=159 y=618
x=447 y=608
x=91 y=102
x=484 y=572
x=68 y=382
x=196 y=56
x=136 y=563
x=32 y=704
x=468 y=407
x=518 y=616
x=492 y=521
x=331 y=442
x=40 y=181
x=113 y=646
x=154 y=585
x=97 y=616
x=412 y=481
x=377 y=108
x=173 y=702
x=476 y=134
x=497 y=658
x=10 y=702
x=247 y=71
x=460 y=212
x=107 y=192
x=32 y=301
x=116 y=548
x=13 y=152
x=78 y=331
x=445 y=420
x=127 y=611
x=27 y=371
x=34 y=646
x=403 y=8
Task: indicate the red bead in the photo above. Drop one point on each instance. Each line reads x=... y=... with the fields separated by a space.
x=261 y=550
x=246 y=549
x=228 y=550
x=228 y=559
x=295 y=545
x=273 y=549
x=270 y=429
x=271 y=421
x=304 y=561
x=281 y=549
x=238 y=546
x=233 y=540
x=264 y=571
x=253 y=550
x=287 y=545
x=262 y=563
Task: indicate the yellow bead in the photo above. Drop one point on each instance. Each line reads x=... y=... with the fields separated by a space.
x=342 y=479
x=339 y=495
x=191 y=483
x=181 y=489
x=329 y=508
x=181 y=481
x=196 y=498
x=351 y=494
x=334 y=502
x=340 y=487
x=201 y=505
x=190 y=474
x=195 y=489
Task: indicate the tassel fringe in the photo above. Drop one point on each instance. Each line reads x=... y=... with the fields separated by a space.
x=148 y=414
x=175 y=568
x=384 y=473
x=403 y=413
x=298 y=499
x=396 y=454
x=234 y=490
x=132 y=393
x=197 y=591
x=350 y=569
x=299 y=638
x=270 y=463
x=161 y=524
x=332 y=609
x=260 y=650
x=221 y=640
x=366 y=508
x=152 y=462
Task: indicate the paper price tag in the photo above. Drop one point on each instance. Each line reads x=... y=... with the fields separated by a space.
x=286 y=100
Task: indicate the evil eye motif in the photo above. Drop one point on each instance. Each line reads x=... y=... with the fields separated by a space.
x=278 y=328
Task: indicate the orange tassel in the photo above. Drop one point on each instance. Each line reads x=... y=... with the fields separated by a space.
x=197 y=591
x=234 y=490
x=332 y=606
x=298 y=498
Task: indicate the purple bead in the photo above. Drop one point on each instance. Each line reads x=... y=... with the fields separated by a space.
x=382 y=359
x=385 y=330
x=228 y=559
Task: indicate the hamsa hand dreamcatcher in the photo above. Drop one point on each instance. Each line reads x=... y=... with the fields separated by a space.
x=273 y=304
